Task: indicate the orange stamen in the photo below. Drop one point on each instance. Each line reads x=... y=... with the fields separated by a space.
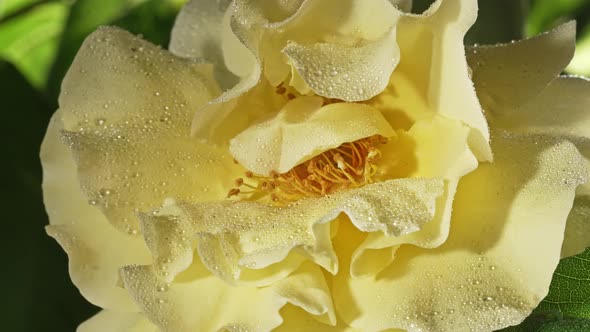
x=351 y=165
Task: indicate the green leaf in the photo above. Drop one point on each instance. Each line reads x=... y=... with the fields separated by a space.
x=551 y=322
x=10 y=7
x=545 y=14
x=570 y=288
x=30 y=39
x=567 y=306
x=37 y=293
x=580 y=64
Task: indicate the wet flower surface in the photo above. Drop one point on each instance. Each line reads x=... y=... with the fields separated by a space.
x=317 y=165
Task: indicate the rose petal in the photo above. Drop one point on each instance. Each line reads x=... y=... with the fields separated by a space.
x=127 y=108
x=497 y=263
x=440 y=149
x=401 y=103
x=433 y=56
x=435 y=147
x=296 y=319
x=377 y=251
x=243 y=27
x=114 y=321
x=202 y=31
x=95 y=248
x=349 y=19
x=349 y=73
x=206 y=303
x=577 y=229
x=560 y=110
x=508 y=75
x=349 y=22
x=303 y=129
x=265 y=36
x=403 y=5
x=236 y=236
x=198 y=29
x=226 y=117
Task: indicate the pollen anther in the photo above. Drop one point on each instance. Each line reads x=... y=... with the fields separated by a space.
x=350 y=165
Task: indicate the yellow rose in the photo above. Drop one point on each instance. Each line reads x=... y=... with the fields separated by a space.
x=344 y=179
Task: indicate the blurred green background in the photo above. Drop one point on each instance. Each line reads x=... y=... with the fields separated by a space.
x=38 y=40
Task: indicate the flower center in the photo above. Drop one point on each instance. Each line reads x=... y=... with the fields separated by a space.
x=351 y=165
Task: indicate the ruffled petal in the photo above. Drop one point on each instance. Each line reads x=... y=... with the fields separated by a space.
x=198 y=30
x=348 y=19
x=202 y=31
x=508 y=75
x=127 y=108
x=349 y=73
x=439 y=149
x=295 y=319
x=434 y=147
x=377 y=251
x=206 y=303
x=235 y=238
x=114 y=321
x=433 y=56
x=351 y=23
x=96 y=249
x=560 y=110
x=303 y=129
x=245 y=23
x=403 y=5
x=256 y=25
x=235 y=110
x=259 y=26
x=496 y=265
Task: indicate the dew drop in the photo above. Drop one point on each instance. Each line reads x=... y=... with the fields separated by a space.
x=104 y=192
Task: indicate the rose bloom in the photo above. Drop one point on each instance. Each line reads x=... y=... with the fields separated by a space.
x=317 y=165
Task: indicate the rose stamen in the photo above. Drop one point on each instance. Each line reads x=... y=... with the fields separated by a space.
x=350 y=165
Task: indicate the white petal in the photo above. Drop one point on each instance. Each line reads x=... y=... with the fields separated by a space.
x=127 y=117
x=508 y=75
x=202 y=302
x=497 y=264
x=237 y=237
x=433 y=56
x=96 y=250
x=304 y=129
x=114 y=321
